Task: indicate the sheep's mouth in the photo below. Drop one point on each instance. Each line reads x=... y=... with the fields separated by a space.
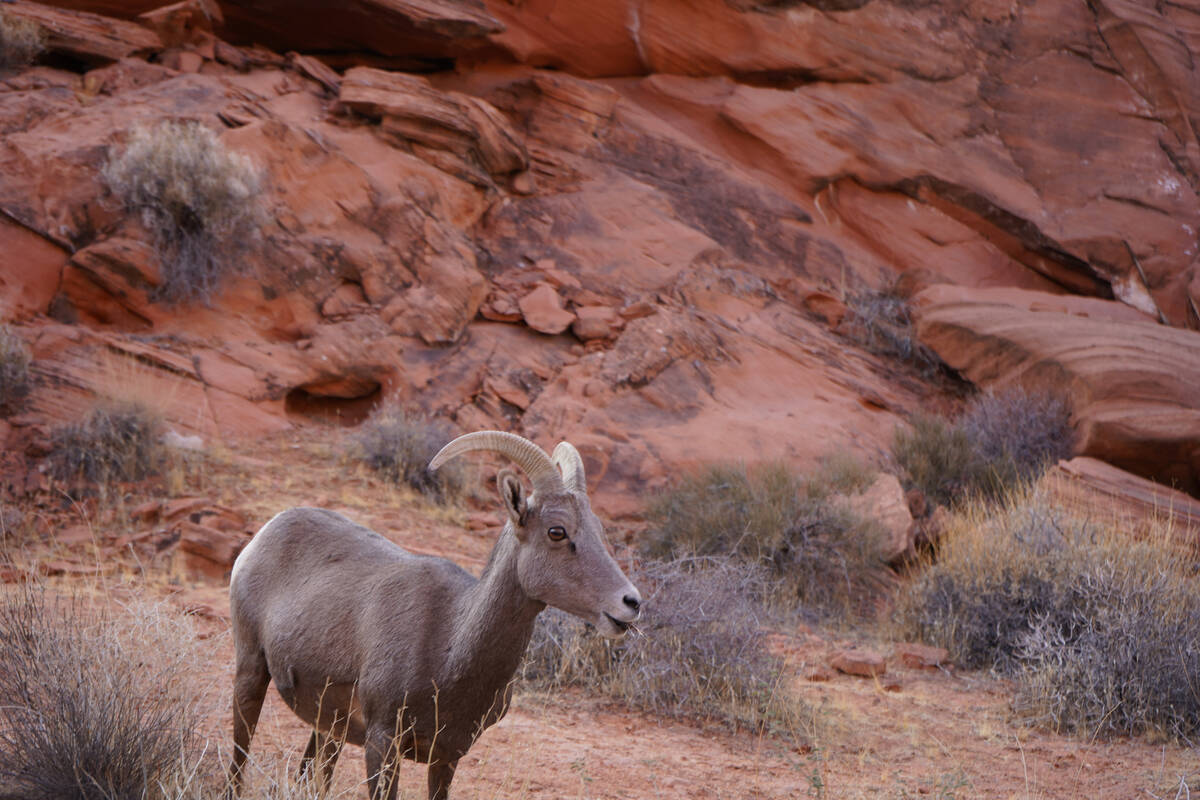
x=620 y=626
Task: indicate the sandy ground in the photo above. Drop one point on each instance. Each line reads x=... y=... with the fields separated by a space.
x=919 y=733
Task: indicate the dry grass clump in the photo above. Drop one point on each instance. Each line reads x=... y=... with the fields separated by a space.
x=819 y=554
x=199 y=201
x=14 y=371
x=21 y=41
x=399 y=445
x=1001 y=440
x=115 y=442
x=882 y=322
x=1102 y=632
x=701 y=653
x=93 y=705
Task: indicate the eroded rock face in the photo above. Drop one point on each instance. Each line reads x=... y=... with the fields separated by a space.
x=1134 y=386
x=645 y=249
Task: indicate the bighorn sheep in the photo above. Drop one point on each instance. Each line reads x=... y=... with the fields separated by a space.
x=409 y=655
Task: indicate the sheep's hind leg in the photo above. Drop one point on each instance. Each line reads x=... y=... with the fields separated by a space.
x=324 y=748
x=440 y=775
x=249 y=690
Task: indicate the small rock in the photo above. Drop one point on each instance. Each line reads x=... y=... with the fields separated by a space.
x=817 y=673
x=920 y=656
x=543 y=310
x=147 y=512
x=210 y=551
x=825 y=305
x=595 y=322
x=858 y=662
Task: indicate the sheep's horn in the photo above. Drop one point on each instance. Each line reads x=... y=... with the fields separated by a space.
x=568 y=460
x=542 y=472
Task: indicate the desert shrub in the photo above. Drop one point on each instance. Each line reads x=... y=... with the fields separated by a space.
x=21 y=41
x=115 y=442
x=92 y=706
x=939 y=459
x=882 y=322
x=1101 y=632
x=198 y=200
x=1026 y=431
x=14 y=371
x=1001 y=440
x=700 y=653
x=398 y=445
x=820 y=555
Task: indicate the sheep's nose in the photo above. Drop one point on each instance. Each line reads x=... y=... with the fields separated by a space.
x=633 y=601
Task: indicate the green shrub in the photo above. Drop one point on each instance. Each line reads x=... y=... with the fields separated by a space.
x=1001 y=440
x=92 y=706
x=399 y=446
x=1101 y=632
x=700 y=653
x=114 y=443
x=14 y=371
x=21 y=41
x=197 y=199
x=820 y=555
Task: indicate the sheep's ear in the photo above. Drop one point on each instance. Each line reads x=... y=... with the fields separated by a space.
x=512 y=495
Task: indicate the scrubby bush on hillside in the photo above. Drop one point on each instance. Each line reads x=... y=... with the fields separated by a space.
x=882 y=322
x=14 y=371
x=21 y=41
x=821 y=556
x=92 y=706
x=398 y=445
x=1101 y=632
x=198 y=200
x=701 y=652
x=1001 y=440
x=115 y=442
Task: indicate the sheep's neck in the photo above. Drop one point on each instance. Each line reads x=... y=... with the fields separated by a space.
x=495 y=621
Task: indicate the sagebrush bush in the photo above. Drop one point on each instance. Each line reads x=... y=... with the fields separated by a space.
x=1025 y=430
x=14 y=371
x=1101 y=632
x=93 y=706
x=199 y=201
x=21 y=41
x=399 y=445
x=700 y=653
x=1001 y=440
x=115 y=442
x=820 y=555
x=882 y=322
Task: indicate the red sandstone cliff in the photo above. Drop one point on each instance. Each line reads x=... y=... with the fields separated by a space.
x=629 y=224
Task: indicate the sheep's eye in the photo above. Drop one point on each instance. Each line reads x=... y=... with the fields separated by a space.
x=557 y=533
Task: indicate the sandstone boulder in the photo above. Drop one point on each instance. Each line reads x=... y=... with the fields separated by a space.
x=920 y=656
x=885 y=503
x=855 y=661
x=1114 y=495
x=87 y=36
x=1134 y=386
x=411 y=109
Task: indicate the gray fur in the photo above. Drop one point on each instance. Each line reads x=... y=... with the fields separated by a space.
x=365 y=640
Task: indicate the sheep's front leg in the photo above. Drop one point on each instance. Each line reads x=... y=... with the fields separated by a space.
x=383 y=763
x=440 y=775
